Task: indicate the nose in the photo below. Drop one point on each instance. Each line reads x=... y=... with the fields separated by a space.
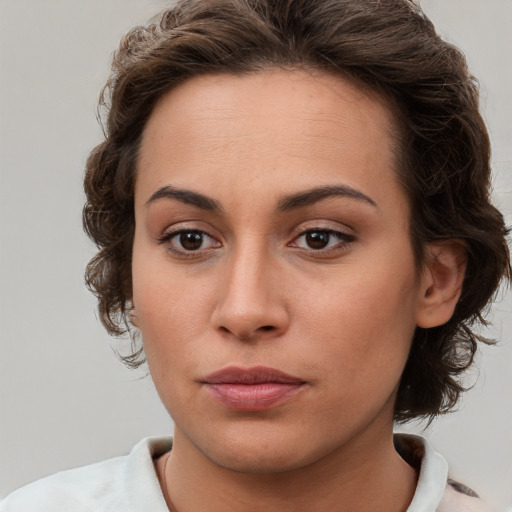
x=251 y=303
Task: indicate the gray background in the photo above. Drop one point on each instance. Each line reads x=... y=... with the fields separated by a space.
x=64 y=398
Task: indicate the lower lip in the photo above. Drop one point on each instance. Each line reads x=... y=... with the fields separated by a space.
x=253 y=397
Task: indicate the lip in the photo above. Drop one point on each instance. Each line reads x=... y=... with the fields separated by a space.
x=252 y=389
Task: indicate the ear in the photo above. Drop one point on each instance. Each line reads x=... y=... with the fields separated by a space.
x=441 y=282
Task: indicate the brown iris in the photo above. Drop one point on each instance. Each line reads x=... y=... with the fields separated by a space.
x=317 y=239
x=191 y=240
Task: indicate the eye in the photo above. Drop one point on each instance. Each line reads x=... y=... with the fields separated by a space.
x=188 y=241
x=322 y=240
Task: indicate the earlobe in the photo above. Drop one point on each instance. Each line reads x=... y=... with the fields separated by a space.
x=441 y=282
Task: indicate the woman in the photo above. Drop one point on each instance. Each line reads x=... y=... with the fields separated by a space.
x=291 y=207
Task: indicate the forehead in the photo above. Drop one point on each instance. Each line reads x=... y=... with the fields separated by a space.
x=268 y=127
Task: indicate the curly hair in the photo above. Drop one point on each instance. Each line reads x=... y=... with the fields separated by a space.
x=391 y=47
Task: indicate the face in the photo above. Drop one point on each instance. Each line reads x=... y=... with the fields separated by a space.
x=274 y=282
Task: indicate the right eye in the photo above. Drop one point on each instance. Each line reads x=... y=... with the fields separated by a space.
x=189 y=241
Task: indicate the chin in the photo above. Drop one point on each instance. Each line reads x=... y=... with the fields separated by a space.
x=263 y=453
x=259 y=462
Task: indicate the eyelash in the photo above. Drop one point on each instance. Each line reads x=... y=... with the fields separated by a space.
x=167 y=240
x=344 y=239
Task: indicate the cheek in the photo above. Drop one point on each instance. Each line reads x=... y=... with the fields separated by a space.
x=156 y=301
x=364 y=340
x=167 y=316
x=173 y=310
x=161 y=293
x=365 y=320
x=169 y=329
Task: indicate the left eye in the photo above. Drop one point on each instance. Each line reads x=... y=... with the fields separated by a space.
x=321 y=239
x=189 y=241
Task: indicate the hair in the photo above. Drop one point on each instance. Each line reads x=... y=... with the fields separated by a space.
x=392 y=48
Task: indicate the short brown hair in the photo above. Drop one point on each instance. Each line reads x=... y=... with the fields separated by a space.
x=388 y=45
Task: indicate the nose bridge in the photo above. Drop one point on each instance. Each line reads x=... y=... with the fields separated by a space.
x=250 y=302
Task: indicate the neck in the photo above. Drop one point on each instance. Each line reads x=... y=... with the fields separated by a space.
x=356 y=478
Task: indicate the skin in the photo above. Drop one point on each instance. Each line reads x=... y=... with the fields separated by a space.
x=253 y=291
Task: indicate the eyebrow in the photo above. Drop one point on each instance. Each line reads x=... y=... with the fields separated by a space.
x=286 y=203
x=186 y=197
x=316 y=194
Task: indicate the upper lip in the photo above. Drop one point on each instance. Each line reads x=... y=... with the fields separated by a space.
x=252 y=375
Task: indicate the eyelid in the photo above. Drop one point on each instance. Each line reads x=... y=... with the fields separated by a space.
x=323 y=225
x=344 y=237
x=188 y=225
x=174 y=231
x=169 y=235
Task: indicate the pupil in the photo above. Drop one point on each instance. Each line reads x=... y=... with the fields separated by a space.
x=191 y=241
x=317 y=239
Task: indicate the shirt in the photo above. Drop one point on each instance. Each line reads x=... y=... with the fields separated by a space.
x=130 y=484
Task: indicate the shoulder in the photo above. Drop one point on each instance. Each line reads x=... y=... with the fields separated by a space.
x=99 y=487
x=435 y=491
x=459 y=498
x=76 y=489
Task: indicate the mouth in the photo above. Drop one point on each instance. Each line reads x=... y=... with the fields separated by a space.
x=252 y=389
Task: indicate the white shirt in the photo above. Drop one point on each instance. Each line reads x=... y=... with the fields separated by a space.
x=130 y=484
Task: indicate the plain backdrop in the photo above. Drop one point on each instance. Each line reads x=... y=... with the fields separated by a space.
x=64 y=398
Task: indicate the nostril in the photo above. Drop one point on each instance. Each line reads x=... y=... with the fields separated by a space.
x=244 y=334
